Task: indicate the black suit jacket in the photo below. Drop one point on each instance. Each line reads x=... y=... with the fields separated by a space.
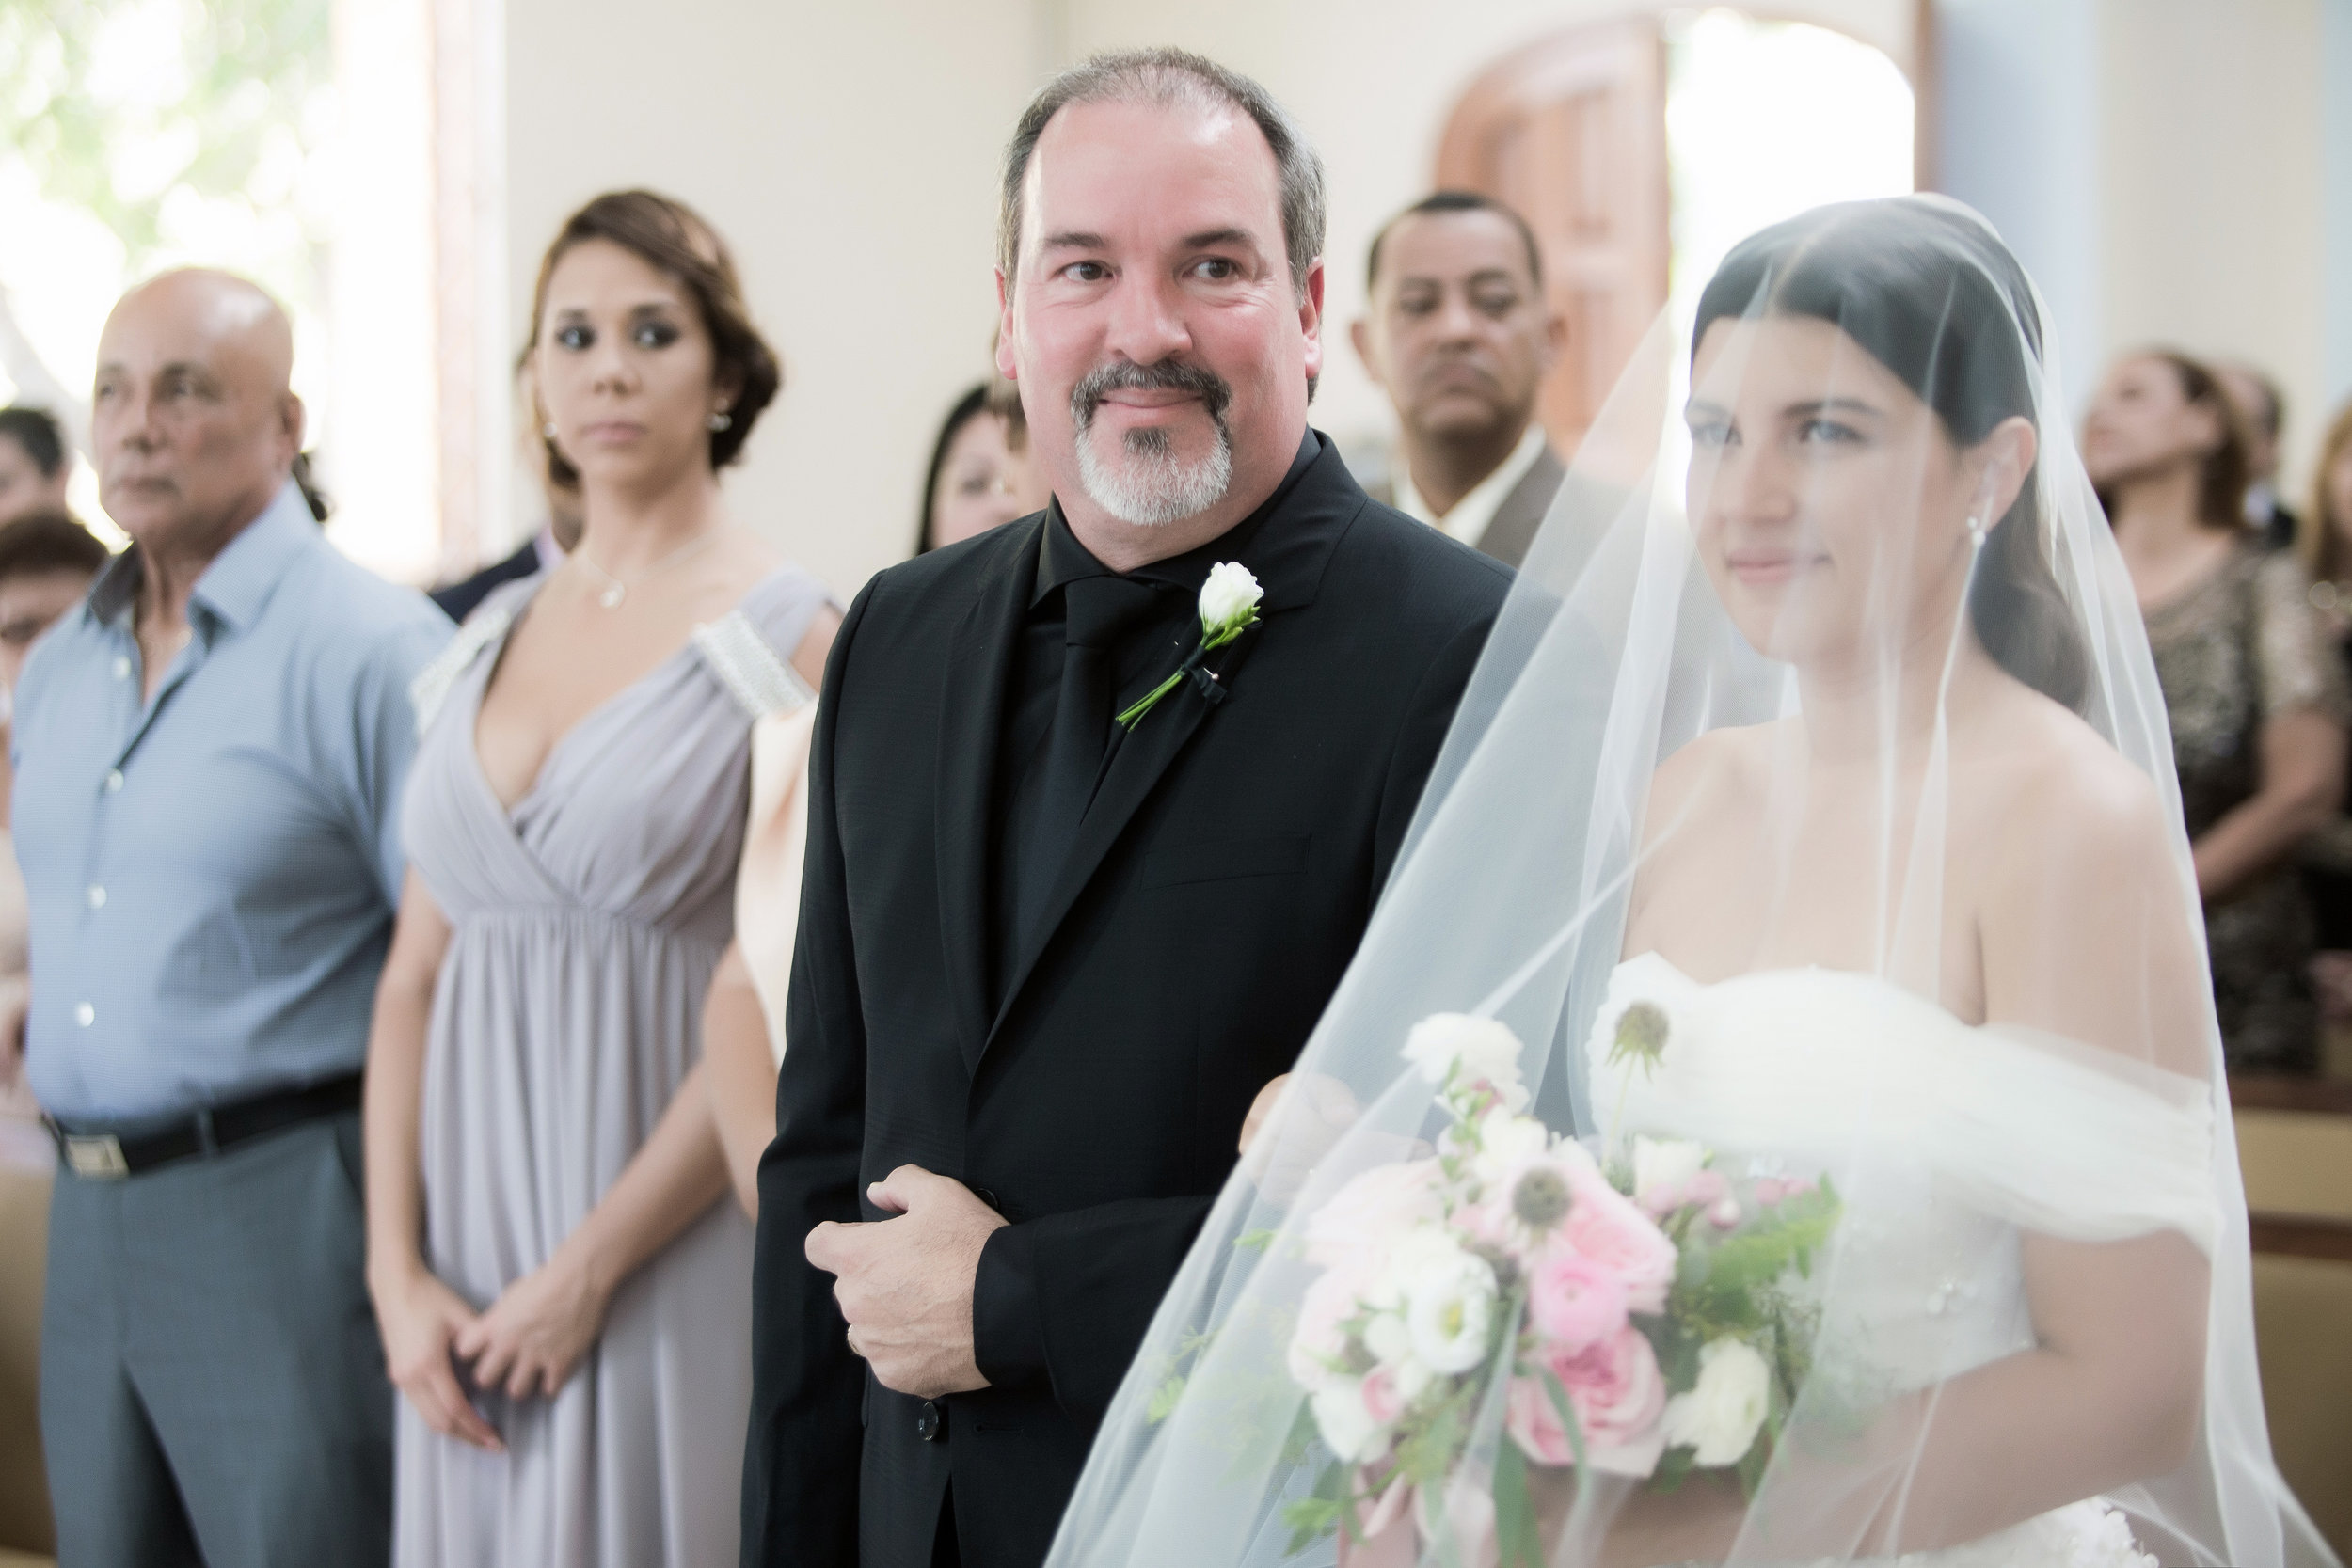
x=458 y=600
x=1215 y=893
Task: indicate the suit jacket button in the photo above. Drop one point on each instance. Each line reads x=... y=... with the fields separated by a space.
x=988 y=1197
x=930 y=1422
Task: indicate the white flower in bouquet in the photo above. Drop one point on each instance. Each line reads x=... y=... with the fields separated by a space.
x=1722 y=1414
x=1449 y=1304
x=1387 y=1340
x=1665 y=1165
x=1471 y=1049
x=1345 y=1421
x=1508 y=1144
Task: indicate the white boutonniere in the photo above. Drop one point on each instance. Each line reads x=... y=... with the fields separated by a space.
x=1229 y=607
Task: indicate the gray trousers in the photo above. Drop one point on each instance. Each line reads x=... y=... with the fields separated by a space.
x=211 y=1386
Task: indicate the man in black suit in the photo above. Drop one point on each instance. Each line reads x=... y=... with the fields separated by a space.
x=1045 y=959
x=1460 y=334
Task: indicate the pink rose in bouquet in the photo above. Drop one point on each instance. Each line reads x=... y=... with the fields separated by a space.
x=1605 y=1226
x=1572 y=1302
x=1615 y=1390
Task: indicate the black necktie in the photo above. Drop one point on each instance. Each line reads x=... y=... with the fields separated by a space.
x=1098 y=613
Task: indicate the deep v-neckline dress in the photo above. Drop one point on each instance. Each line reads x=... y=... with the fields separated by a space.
x=584 y=925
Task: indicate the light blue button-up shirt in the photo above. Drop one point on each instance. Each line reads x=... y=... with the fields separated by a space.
x=212 y=873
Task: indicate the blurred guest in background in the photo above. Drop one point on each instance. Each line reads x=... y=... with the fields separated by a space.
x=33 y=462
x=564 y=1299
x=1461 y=337
x=2326 y=545
x=542 y=552
x=980 y=474
x=209 y=752
x=2262 y=412
x=314 y=496
x=968 y=489
x=47 y=561
x=2255 y=692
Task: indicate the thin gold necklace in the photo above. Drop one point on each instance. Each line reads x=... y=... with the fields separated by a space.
x=616 y=589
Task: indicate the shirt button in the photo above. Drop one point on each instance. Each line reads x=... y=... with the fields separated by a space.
x=927 y=1423
x=114 y=780
x=123 y=667
x=96 y=897
x=84 y=1014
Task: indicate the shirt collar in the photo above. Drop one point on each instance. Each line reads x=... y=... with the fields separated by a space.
x=1468 y=517
x=1062 y=559
x=234 y=587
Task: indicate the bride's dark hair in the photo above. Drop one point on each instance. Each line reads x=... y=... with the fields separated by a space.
x=1934 y=296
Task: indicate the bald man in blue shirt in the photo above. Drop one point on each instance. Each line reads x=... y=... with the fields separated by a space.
x=209 y=755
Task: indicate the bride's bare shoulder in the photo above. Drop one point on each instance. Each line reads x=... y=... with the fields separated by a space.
x=2083 y=895
x=2063 y=788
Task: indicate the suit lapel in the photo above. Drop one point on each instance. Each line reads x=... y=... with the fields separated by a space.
x=1522 y=512
x=980 y=665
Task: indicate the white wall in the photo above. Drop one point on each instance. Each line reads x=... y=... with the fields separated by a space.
x=848 y=154
x=2336 y=138
x=2212 y=189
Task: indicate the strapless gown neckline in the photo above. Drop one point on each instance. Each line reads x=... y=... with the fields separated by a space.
x=1947 y=1142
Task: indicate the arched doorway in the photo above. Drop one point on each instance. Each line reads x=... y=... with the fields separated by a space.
x=1640 y=149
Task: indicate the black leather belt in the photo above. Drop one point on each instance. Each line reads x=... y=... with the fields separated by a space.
x=103 y=1156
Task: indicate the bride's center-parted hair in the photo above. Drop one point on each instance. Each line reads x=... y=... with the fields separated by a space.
x=1953 y=319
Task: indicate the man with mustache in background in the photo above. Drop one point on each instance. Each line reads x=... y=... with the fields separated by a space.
x=1050 y=946
x=1461 y=335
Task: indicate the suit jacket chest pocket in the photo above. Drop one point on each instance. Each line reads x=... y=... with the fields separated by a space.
x=1225 y=860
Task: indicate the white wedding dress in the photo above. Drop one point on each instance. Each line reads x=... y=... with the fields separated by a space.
x=1945 y=1141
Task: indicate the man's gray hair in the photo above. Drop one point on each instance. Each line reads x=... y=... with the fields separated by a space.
x=1174 y=78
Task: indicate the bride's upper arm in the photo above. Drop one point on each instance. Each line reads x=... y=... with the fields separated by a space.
x=2087 y=923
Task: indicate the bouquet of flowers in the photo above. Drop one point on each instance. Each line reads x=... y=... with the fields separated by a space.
x=1640 y=1320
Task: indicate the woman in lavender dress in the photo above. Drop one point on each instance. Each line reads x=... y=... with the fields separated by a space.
x=564 y=1296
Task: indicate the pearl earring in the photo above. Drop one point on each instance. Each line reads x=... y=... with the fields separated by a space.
x=1976 y=531
x=721 y=421
x=548 y=429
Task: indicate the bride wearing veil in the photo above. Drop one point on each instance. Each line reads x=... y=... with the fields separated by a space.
x=1776 y=1114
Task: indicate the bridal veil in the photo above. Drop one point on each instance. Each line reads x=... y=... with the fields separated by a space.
x=1811 y=824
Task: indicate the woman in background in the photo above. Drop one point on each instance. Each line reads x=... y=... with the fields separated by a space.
x=2325 y=542
x=979 y=473
x=564 y=1299
x=2255 y=695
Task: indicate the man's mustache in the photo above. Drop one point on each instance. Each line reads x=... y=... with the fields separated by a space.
x=1168 y=376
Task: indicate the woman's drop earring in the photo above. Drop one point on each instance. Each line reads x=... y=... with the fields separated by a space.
x=721 y=421
x=1976 y=531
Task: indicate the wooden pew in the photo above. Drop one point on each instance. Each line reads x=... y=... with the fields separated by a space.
x=2295 y=1145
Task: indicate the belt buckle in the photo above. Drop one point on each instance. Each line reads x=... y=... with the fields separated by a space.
x=96 y=1158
